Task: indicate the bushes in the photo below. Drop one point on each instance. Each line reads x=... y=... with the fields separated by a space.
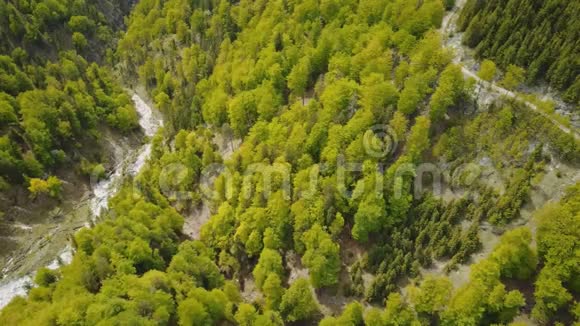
x=95 y=171
x=487 y=70
x=51 y=186
x=297 y=302
x=450 y=90
x=125 y=118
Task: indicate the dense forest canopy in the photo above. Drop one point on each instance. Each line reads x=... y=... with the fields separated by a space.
x=541 y=36
x=295 y=89
x=53 y=95
x=42 y=28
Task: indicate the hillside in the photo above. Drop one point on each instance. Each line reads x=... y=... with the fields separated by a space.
x=540 y=36
x=54 y=95
x=63 y=114
x=40 y=29
x=320 y=162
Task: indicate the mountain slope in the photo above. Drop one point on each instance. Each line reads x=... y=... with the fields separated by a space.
x=540 y=36
x=363 y=163
x=52 y=99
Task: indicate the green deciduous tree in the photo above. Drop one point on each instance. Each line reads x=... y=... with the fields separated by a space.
x=79 y=41
x=273 y=291
x=246 y=315
x=398 y=312
x=557 y=236
x=270 y=262
x=321 y=257
x=487 y=70
x=192 y=312
x=513 y=77
x=352 y=315
x=298 y=303
x=514 y=255
x=51 y=186
x=400 y=125
x=450 y=89
x=242 y=112
x=418 y=140
x=371 y=215
x=432 y=296
x=299 y=76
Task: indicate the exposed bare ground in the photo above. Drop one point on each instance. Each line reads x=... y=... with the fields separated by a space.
x=298 y=271
x=227 y=145
x=195 y=220
x=251 y=292
x=550 y=186
x=44 y=233
x=556 y=178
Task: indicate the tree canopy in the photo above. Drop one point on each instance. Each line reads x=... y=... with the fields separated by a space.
x=332 y=125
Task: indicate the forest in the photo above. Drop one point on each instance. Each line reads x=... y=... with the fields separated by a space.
x=331 y=110
x=55 y=89
x=540 y=36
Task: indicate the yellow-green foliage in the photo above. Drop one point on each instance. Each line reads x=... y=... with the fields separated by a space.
x=303 y=87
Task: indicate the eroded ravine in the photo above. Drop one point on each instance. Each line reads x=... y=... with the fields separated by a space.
x=18 y=272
